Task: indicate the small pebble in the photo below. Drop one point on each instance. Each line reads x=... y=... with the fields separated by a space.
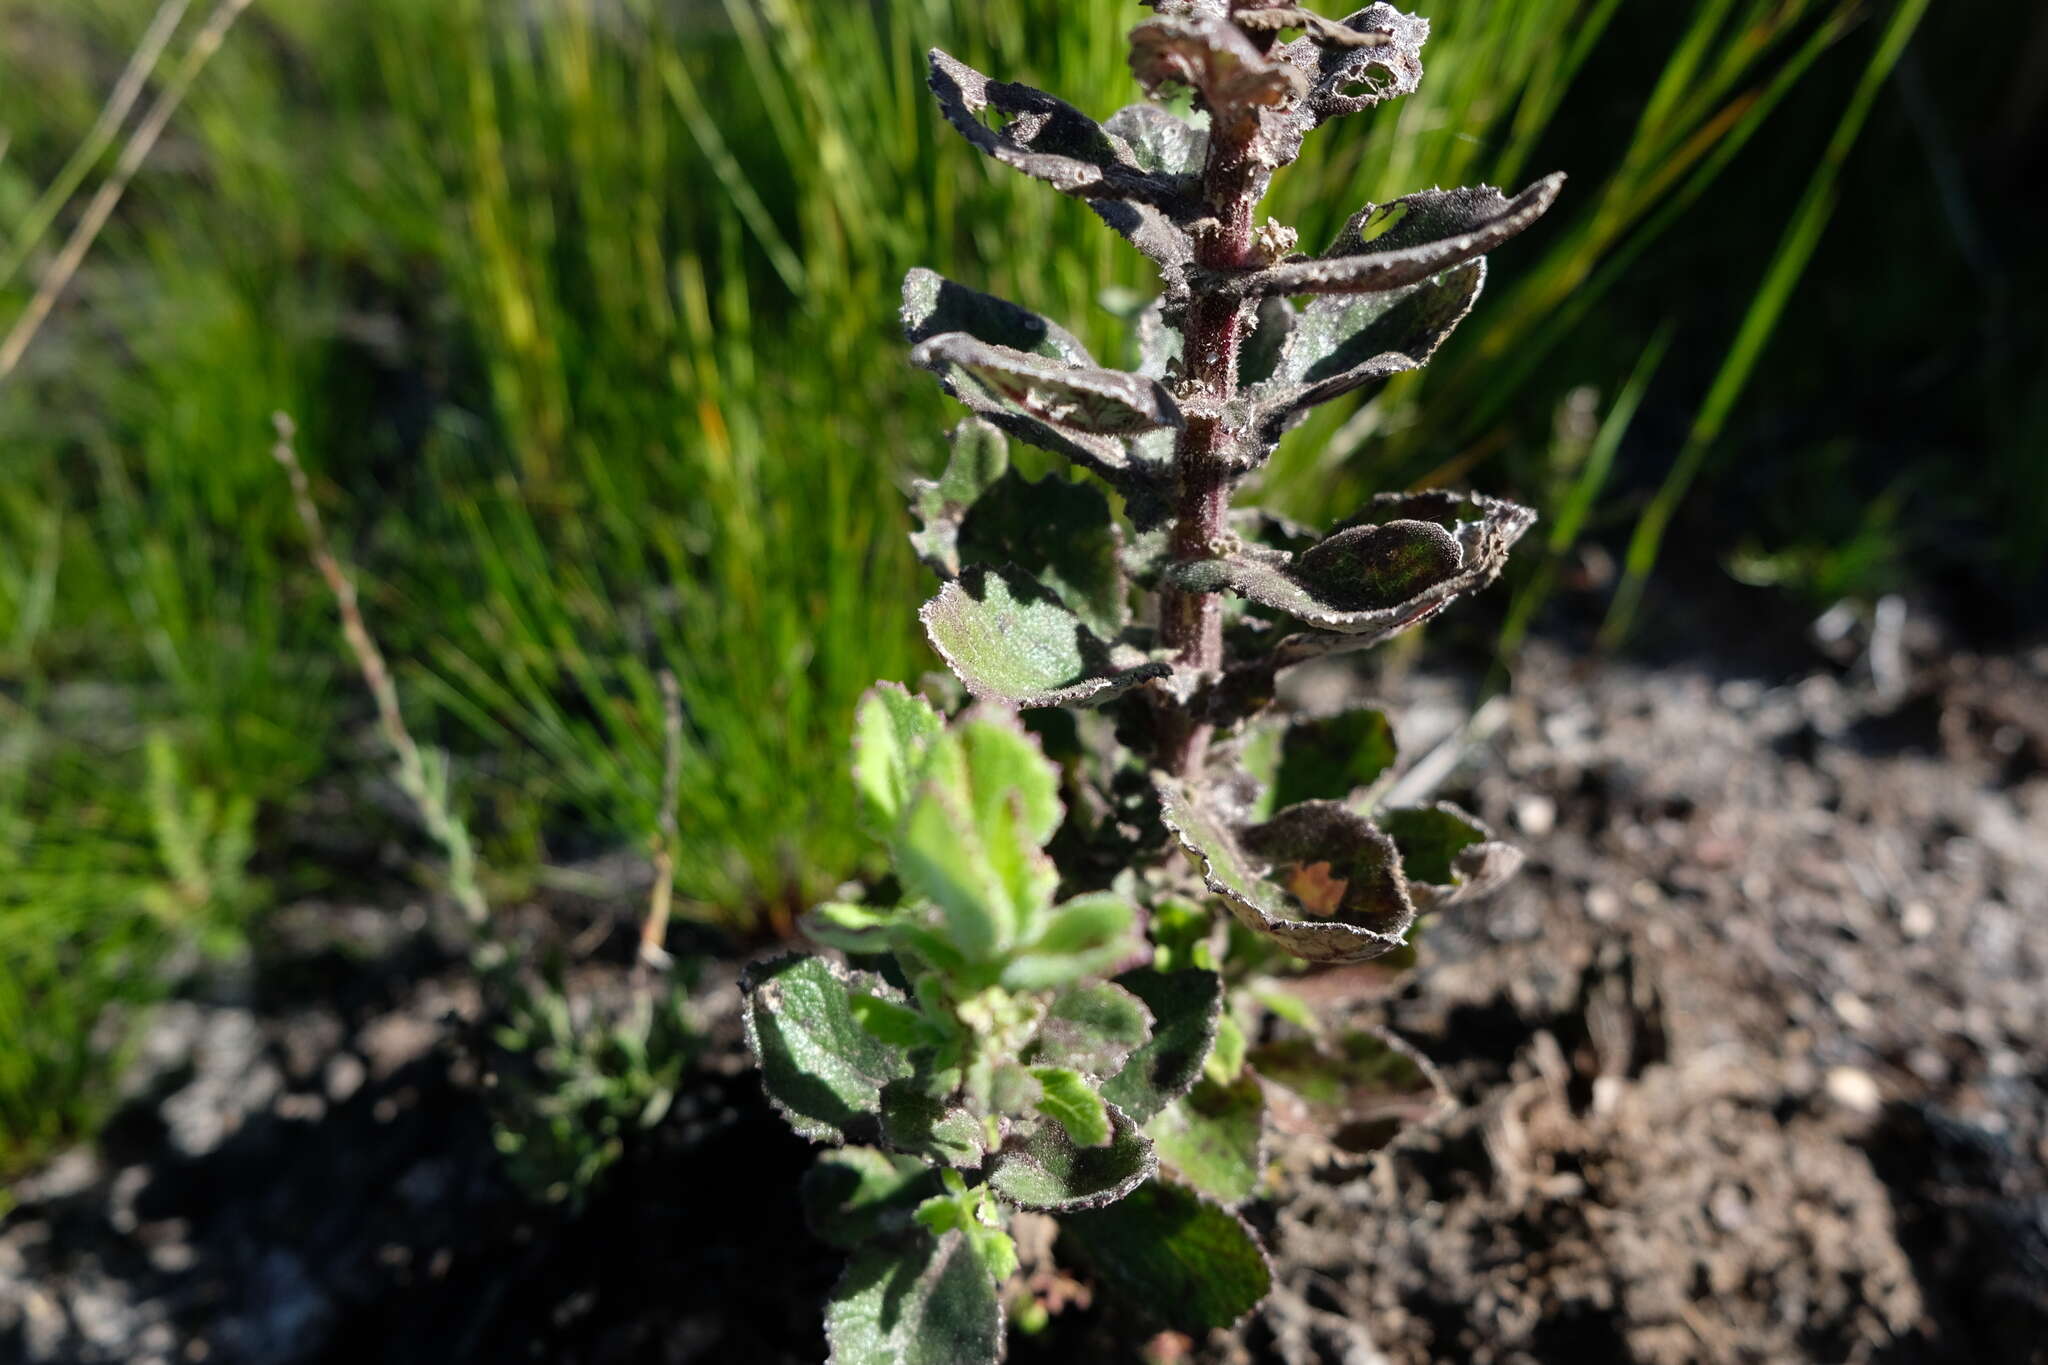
x=1854 y=1090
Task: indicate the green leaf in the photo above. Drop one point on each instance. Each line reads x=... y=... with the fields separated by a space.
x=1059 y=532
x=1214 y=1135
x=1047 y=1171
x=857 y=1194
x=933 y=305
x=1173 y=1255
x=1357 y=1090
x=980 y=456
x=895 y=1024
x=1447 y=855
x=929 y=1302
x=1400 y=563
x=1214 y=57
x=851 y=928
x=1092 y=1028
x=893 y=732
x=976 y=1215
x=1185 y=1008
x=1182 y=932
x=1010 y=639
x=923 y=1126
x=1226 y=1058
x=1332 y=759
x=1083 y=937
x=1066 y=1097
x=821 y=1069
x=1160 y=141
x=1317 y=879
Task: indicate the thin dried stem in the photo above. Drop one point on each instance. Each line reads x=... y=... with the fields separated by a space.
x=654 y=930
x=140 y=144
x=421 y=778
x=128 y=89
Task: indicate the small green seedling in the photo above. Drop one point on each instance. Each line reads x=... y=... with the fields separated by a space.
x=1050 y=1019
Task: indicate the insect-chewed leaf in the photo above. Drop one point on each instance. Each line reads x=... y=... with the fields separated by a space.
x=1213 y=57
x=1447 y=855
x=856 y=1194
x=1065 y=1097
x=916 y=1123
x=1047 y=1171
x=1092 y=1028
x=893 y=730
x=1071 y=397
x=1430 y=233
x=1358 y=1090
x=1185 y=1008
x=1173 y=1255
x=926 y=1301
x=1213 y=1136
x=1341 y=343
x=1013 y=640
x=1406 y=559
x=1317 y=879
x=1346 y=76
x=821 y=1069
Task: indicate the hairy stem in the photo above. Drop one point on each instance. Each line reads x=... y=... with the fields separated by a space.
x=1191 y=624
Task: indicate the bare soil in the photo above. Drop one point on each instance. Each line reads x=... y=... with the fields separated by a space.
x=1750 y=1066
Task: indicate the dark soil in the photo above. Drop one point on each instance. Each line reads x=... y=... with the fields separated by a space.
x=1750 y=1064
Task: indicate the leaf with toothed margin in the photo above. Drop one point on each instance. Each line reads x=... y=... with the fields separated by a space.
x=1072 y=398
x=1214 y=57
x=1317 y=879
x=1447 y=855
x=1186 y=1006
x=1092 y=1028
x=893 y=730
x=1046 y=1171
x=920 y=1125
x=921 y=1301
x=1050 y=140
x=1174 y=1256
x=1334 y=585
x=820 y=1068
x=1214 y=1137
x=1012 y=640
x=855 y=1194
x=1343 y=342
x=1346 y=77
x=1453 y=226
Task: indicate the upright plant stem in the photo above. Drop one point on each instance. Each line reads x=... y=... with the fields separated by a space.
x=1191 y=624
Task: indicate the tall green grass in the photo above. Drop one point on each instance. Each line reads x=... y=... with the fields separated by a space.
x=585 y=311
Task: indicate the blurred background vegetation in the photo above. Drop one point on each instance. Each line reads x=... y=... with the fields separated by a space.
x=585 y=310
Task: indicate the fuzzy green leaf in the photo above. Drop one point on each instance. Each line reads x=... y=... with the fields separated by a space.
x=920 y=1125
x=893 y=730
x=821 y=1069
x=856 y=1194
x=1062 y=534
x=1011 y=639
x=1047 y=1171
x=931 y=1301
x=1185 y=1008
x=1317 y=879
x=1083 y=937
x=895 y=1024
x=1447 y=855
x=1173 y=1255
x=1066 y=1098
x=1071 y=398
x=1092 y=1028
x=1332 y=759
x=1161 y=142
x=1213 y=1137
x=933 y=305
x=1344 y=78
x=851 y=928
